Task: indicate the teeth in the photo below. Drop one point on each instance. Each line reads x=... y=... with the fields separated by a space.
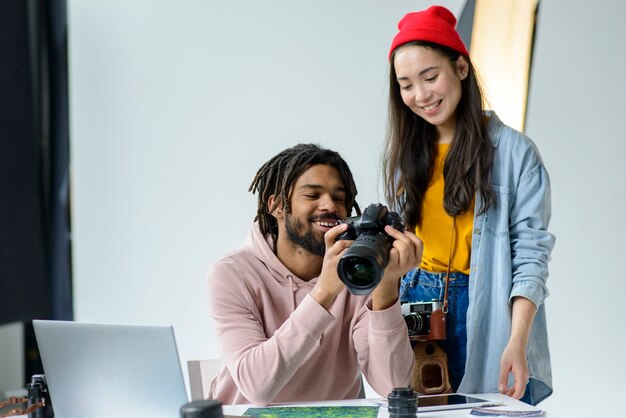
x=431 y=107
x=326 y=224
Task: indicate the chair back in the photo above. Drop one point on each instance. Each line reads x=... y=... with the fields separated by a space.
x=201 y=373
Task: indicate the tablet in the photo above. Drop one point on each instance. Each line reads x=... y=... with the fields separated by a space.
x=443 y=402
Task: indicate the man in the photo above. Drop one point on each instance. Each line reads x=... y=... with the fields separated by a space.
x=288 y=328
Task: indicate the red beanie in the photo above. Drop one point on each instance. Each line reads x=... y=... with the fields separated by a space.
x=435 y=24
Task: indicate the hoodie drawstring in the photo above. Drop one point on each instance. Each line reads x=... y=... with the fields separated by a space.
x=293 y=289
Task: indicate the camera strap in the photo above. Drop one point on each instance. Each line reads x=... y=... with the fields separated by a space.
x=19 y=411
x=444 y=307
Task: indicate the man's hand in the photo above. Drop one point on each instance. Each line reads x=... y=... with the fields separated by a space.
x=329 y=285
x=405 y=254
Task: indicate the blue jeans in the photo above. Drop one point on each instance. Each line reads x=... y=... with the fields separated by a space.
x=419 y=285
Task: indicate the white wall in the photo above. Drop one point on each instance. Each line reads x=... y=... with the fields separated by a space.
x=11 y=358
x=175 y=104
x=575 y=115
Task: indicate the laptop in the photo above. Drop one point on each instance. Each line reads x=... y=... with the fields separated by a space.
x=104 y=371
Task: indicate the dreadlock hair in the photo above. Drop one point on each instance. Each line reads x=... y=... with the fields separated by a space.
x=278 y=175
x=410 y=150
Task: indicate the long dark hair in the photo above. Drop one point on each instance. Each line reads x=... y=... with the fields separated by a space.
x=411 y=148
x=278 y=175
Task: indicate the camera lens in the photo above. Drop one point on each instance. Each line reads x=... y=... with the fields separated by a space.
x=402 y=403
x=363 y=264
x=360 y=271
x=208 y=408
x=414 y=323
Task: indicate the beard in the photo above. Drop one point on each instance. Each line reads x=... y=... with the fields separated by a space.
x=304 y=236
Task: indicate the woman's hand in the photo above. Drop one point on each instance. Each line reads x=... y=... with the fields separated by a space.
x=513 y=361
x=513 y=358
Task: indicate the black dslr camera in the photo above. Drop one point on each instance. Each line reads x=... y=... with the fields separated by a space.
x=363 y=264
x=425 y=320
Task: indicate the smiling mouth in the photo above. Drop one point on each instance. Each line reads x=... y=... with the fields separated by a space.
x=431 y=106
x=325 y=223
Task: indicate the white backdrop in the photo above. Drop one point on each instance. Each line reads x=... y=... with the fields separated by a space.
x=575 y=114
x=175 y=104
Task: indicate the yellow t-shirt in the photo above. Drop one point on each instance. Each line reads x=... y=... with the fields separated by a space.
x=435 y=230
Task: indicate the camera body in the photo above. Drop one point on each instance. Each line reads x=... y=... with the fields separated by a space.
x=424 y=320
x=37 y=391
x=362 y=265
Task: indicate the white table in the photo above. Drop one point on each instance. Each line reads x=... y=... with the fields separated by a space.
x=508 y=404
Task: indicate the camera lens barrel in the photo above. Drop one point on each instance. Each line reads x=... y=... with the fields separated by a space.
x=209 y=408
x=363 y=264
x=402 y=403
x=414 y=323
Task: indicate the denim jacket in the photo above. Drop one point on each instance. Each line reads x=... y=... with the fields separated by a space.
x=511 y=247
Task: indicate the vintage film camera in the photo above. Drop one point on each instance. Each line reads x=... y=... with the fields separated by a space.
x=424 y=320
x=363 y=264
x=426 y=323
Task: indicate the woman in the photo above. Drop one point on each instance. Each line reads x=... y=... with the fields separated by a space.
x=477 y=193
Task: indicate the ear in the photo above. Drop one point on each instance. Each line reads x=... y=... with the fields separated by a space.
x=462 y=67
x=279 y=211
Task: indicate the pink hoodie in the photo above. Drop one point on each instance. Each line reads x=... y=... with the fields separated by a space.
x=279 y=345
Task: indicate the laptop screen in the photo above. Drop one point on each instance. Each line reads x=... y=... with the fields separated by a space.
x=104 y=371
